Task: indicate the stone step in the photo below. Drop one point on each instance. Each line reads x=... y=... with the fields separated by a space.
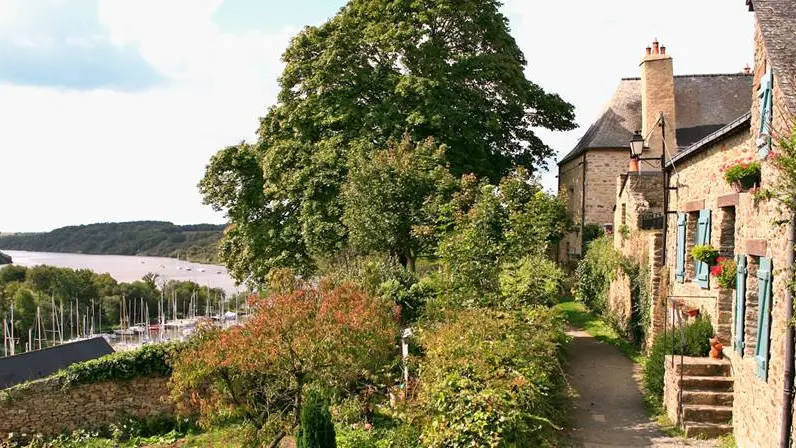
x=707 y=397
x=701 y=366
x=706 y=430
x=701 y=413
x=707 y=383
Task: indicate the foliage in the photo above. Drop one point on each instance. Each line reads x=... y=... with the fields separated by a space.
x=591 y=232
x=784 y=159
x=316 y=429
x=744 y=174
x=449 y=70
x=5 y=259
x=399 y=436
x=147 y=361
x=392 y=198
x=624 y=231
x=725 y=272
x=332 y=336
x=492 y=225
x=595 y=272
x=697 y=334
x=704 y=253
x=533 y=280
x=493 y=378
x=153 y=238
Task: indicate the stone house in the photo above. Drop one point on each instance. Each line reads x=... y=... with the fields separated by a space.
x=694 y=105
x=751 y=319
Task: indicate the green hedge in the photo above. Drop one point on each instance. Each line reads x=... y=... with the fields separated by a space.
x=147 y=361
x=493 y=378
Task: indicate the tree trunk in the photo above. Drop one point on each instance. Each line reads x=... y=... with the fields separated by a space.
x=277 y=438
x=403 y=259
x=410 y=264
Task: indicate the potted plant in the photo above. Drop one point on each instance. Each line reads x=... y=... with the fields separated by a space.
x=725 y=271
x=705 y=253
x=742 y=175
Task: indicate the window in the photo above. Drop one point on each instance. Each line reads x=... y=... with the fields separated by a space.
x=679 y=272
x=740 y=303
x=727 y=232
x=765 y=98
x=763 y=317
x=702 y=277
x=624 y=214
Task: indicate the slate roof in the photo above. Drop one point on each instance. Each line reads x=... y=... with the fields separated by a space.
x=38 y=364
x=704 y=104
x=740 y=124
x=777 y=20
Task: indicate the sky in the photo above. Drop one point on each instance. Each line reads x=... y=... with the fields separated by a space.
x=111 y=109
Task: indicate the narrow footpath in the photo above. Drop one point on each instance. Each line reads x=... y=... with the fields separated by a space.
x=609 y=409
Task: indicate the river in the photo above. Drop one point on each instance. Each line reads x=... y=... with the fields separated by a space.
x=125 y=268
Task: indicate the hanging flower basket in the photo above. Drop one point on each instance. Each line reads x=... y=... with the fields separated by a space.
x=705 y=253
x=742 y=175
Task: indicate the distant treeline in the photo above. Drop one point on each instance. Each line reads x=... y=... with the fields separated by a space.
x=196 y=243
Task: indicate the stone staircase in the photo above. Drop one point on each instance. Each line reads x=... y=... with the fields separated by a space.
x=707 y=387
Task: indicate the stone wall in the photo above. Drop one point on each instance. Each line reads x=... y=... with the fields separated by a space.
x=43 y=407
x=602 y=167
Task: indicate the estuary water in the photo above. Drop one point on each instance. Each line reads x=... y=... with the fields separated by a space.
x=127 y=269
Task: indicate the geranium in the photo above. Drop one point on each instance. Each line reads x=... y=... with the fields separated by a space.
x=743 y=175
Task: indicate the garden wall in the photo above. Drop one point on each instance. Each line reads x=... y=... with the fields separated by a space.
x=44 y=407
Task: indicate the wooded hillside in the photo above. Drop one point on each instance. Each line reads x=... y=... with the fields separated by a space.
x=155 y=238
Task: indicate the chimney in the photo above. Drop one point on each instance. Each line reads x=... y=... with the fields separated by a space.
x=747 y=70
x=657 y=97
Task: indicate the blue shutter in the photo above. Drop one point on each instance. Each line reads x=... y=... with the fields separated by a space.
x=763 y=317
x=679 y=273
x=765 y=100
x=703 y=237
x=740 y=303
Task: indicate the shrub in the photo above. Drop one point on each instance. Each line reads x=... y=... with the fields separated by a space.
x=317 y=429
x=595 y=272
x=493 y=378
x=400 y=436
x=147 y=361
x=697 y=334
x=591 y=232
x=533 y=280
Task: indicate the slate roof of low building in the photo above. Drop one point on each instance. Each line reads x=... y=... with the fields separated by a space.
x=740 y=124
x=777 y=20
x=704 y=104
x=38 y=364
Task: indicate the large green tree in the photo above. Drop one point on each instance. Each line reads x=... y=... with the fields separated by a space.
x=392 y=198
x=378 y=70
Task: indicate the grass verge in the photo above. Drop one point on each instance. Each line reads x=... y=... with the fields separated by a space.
x=578 y=316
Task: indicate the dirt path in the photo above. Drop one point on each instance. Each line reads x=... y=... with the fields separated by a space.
x=609 y=408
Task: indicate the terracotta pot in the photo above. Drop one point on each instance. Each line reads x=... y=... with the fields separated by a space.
x=715 y=352
x=693 y=312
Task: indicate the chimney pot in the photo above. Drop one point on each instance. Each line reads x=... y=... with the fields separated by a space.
x=663 y=50
x=655 y=46
x=649 y=50
x=747 y=70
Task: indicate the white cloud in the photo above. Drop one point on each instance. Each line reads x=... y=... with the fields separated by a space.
x=74 y=157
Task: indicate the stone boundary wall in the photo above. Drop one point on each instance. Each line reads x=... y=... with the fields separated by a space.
x=43 y=407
